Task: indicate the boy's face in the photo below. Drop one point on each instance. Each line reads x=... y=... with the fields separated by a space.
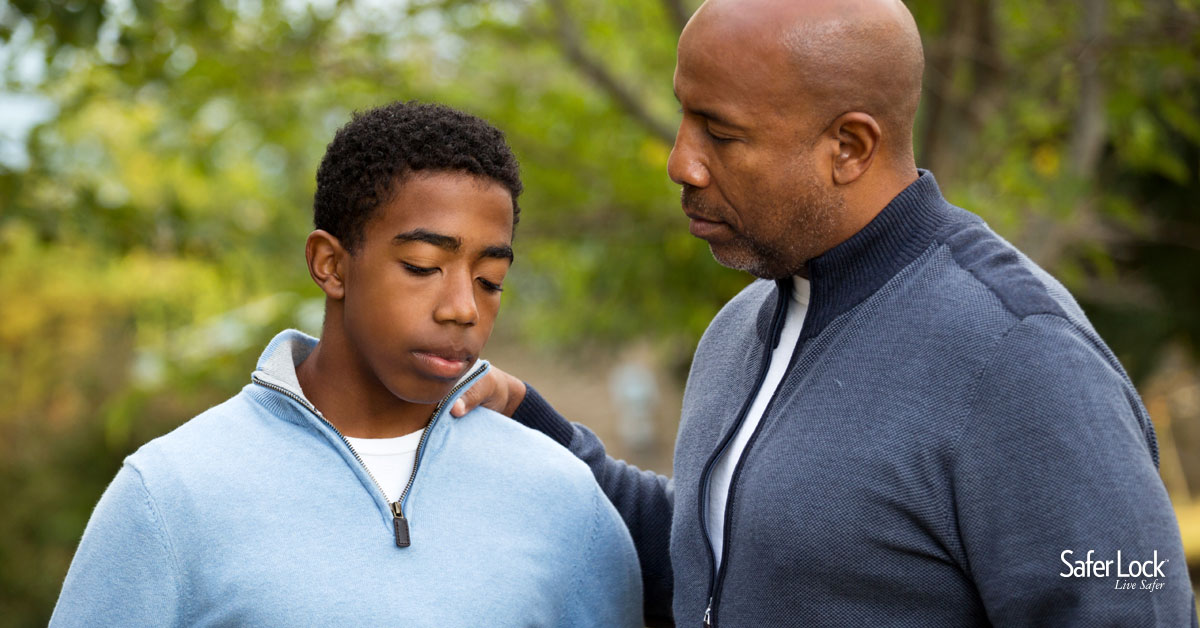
x=423 y=288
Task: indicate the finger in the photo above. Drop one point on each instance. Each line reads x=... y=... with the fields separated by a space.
x=477 y=394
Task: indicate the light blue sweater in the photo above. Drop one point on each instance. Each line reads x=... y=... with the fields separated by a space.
x=258 y=513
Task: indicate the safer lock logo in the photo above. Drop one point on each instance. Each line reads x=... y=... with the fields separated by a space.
x=1143 y=575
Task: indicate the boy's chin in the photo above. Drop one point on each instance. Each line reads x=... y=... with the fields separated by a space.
x=424 y=392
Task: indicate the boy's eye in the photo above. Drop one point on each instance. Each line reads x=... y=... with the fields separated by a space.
x=490 y=286
x=418 y=270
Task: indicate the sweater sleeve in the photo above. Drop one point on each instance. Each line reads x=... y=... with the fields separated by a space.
x=644 y=499
x=607 y=588
x=1055 y=464
x=124 y=572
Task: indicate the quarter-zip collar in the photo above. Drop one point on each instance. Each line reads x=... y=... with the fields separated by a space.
x=278 y=362
x=847 y=274
x=275 y=378
x=277 y=367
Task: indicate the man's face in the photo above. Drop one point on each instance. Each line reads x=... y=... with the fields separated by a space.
x=423 y=287
x=747 y=154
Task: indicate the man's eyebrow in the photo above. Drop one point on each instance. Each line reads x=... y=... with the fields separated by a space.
x=498 y=252
x=449 y=243
x=711 y=115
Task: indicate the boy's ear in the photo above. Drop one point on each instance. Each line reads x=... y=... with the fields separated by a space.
x=327 y=263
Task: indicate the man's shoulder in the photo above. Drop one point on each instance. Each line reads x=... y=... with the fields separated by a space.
x=754 y=294
x=751 y=308
x=1021 y=286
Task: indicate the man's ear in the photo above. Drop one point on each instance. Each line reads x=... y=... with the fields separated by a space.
x=857 y=136
x=328 y=261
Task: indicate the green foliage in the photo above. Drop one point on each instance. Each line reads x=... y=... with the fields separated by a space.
x=154 y=243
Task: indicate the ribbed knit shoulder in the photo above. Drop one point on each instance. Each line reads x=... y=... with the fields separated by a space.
x=1003 y=269
x=1022 y=287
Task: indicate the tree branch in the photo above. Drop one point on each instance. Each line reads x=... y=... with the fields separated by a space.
x=572 y=46
x=678 y=11
x=1087 y=137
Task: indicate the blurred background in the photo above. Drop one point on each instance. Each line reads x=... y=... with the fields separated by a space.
x=157 y=165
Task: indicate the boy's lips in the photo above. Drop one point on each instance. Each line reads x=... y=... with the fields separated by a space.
x=444 y=363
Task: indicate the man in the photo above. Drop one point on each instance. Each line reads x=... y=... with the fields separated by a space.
x=328 y=492
x=907 y=423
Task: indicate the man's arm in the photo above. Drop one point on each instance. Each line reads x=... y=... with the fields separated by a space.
x=1054 y=475
x=643 y=498
x=124 y=571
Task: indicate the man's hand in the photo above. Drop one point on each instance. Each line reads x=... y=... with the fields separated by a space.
x=496 y=390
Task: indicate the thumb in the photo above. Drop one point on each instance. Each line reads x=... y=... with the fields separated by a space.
x=478 y=394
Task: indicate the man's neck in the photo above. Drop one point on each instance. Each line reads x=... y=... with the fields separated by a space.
x=351 y=398
x=868 y=199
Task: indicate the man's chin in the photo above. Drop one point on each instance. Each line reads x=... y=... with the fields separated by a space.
x=741 y=259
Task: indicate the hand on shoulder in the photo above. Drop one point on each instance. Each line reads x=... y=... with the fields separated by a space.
x=496 y=390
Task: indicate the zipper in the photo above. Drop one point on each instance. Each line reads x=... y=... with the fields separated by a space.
x=399 y=522
x=713 y=581
x=715 y=592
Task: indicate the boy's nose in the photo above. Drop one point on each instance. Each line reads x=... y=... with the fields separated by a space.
x=457 y=302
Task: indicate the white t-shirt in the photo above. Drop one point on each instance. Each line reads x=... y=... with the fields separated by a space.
x=390 y=460
x=722 y=472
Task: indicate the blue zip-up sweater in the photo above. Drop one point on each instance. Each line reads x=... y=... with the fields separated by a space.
x=258 y=513
x=949 y=428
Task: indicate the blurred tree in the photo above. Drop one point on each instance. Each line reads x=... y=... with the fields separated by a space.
x=152 y=243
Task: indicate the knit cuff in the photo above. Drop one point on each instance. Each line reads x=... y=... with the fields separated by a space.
x=535 y=412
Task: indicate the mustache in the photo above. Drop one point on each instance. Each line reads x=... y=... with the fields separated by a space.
x=693 y=203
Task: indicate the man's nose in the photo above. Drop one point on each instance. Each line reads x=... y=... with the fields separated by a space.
x=456 y=303
x=687 y=163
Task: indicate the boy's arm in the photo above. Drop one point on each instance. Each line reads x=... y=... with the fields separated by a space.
x=124 y=572
x=644 y=499
x=606 y=588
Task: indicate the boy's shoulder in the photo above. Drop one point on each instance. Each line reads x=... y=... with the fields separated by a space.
x=501 y=445
x=228 y=431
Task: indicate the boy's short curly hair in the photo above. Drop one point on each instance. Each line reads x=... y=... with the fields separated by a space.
x=372 y=154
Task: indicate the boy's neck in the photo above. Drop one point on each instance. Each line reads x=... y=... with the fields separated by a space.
x=351 y=398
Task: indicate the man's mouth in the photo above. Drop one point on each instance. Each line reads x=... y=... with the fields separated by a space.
x=704 y=227
x=704 y=223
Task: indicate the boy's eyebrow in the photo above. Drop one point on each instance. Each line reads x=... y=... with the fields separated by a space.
x=499 y=252
x=449 y=243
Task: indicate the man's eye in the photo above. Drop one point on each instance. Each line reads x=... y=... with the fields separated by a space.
x=418 y=270
x=490 y=286
x=717 y=139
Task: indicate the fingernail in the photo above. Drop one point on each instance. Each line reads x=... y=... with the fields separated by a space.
x=458 y=408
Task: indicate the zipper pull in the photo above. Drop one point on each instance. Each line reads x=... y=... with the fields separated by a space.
x=708 y=613
x=401 y=525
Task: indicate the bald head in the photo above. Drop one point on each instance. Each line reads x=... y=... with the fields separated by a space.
x=833 y=56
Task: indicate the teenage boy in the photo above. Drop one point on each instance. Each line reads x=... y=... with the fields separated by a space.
x=331 y=490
